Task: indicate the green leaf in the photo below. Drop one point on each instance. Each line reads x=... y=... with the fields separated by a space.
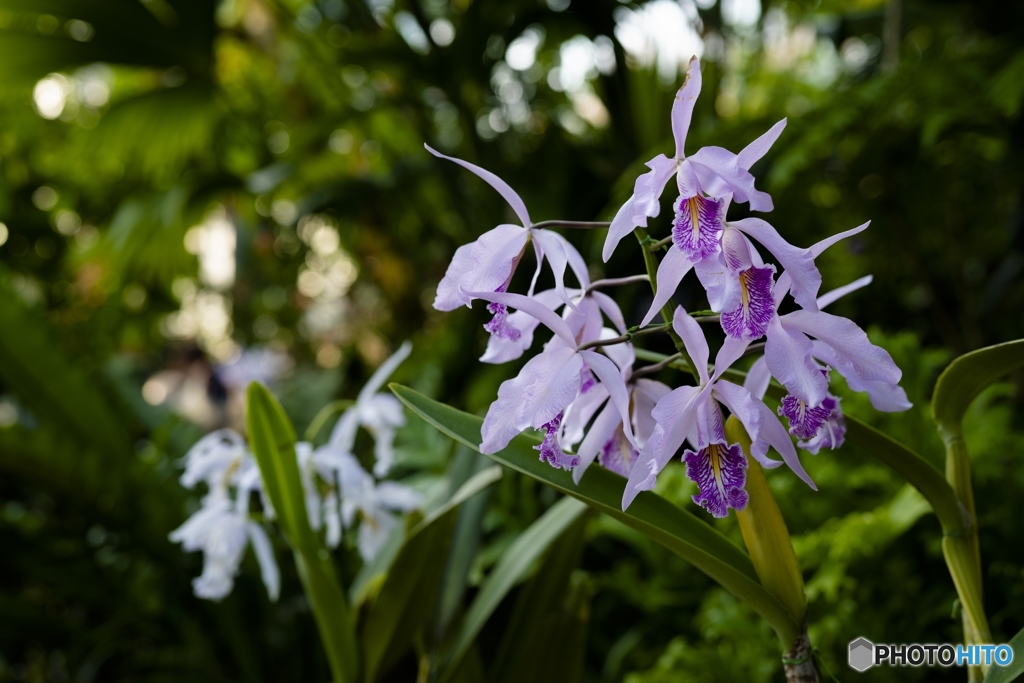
x=514 y=563
x=546 y=635
x=272 y=439
x=965 y=378
x=410 y=589
x=1005 y=674
x=661 y=521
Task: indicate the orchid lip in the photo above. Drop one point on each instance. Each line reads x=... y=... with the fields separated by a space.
x=719 y=470
x=697 y=225
x=750 y=319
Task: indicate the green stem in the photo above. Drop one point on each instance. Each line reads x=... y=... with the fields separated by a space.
x=963 y=556
x=651 y=263
x=325 y=414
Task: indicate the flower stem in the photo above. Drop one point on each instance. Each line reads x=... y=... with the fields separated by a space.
x=628 y=337
x=651 y=262
x=615 y=282
x=659 y=244
x=578 y=225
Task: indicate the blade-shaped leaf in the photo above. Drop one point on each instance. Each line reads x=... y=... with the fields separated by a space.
x=652 y=515
x=272 y=439
x=514 y=563
x=410 y=589
x=1013 y=672
x=965 y=378
x=546 y=635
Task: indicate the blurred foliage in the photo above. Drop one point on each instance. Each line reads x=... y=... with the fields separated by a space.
x=132 y=132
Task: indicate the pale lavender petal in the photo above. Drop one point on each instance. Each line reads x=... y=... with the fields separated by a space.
x=720 y=283
x=750 y=319
x=694 y=341
x=671 y=271
x=611 y=310
x=788 y=354
x=513 y=199
x=545 y=386
x=533 y=307
x=502 y=350
x=395 y=496
x=804 y=420
x=718 y=172
x=839 y=292
x=623 y=355
x=747 y=410
x=582 y=410
x=852 y=348
x=616 y=386
x=550 y=451
x=646 y=394
x=618 y=455
x=772 y=431
x=758 y=378
x=697 y=224
x=805 y=280
x=448 y=296
x=710 y=424
x=551 y=244
x=759 y=147
x=886 y=397
x=605 y=425
x=817 y=249
x=736 y=251
x=495 y=255
x=720 y=473
x=682 y=107
x=731 y=351
x=643 y=204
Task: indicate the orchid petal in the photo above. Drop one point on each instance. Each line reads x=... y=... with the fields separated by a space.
x=818 y=248
x=544 y=387
x=805 y=280
x=534 y=308
x=719 y=172
x=502 y=350
x=753 y=152
x=776 y=435
x=731 y=351
x=671 y=271
x=788 y=354
x=720 y=283
x=742 y=404
x=611 y=309
x=885 y=396
x=850 y=344
x=758 y=378
x=682 y=106
x=448 y=297
x=580 y=412
x=616 y=386
x=513 y=199
x=643 y=204
x=495 y=255
x=608 y=420
x=839 y=292
x=646 y=394
x=694 y=341
x=269 y=571
x=381 y=374
x=551 y=244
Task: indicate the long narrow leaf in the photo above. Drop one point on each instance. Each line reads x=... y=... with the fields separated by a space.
x=961 y=382
x=659 y=520
x=514 y=563
x=410 y=589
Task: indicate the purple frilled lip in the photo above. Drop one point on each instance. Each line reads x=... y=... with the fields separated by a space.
x=720 y=472
x=550 y=451
x=697 y=225
x=750 y=319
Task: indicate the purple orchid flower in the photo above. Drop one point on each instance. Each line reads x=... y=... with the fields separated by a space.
x=692 y=413
x=822 y=425
x=487 y=264
x=703 y=179
x=549 y=382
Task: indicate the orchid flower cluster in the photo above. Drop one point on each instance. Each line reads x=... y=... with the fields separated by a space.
x=338 y=491
x=582 y=390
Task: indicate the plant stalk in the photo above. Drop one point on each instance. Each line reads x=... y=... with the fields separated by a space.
x=651 y=263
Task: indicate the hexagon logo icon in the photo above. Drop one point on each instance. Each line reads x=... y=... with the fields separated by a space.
x=862 y=654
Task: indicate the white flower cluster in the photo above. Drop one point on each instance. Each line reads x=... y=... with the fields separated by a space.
x=338 y=491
